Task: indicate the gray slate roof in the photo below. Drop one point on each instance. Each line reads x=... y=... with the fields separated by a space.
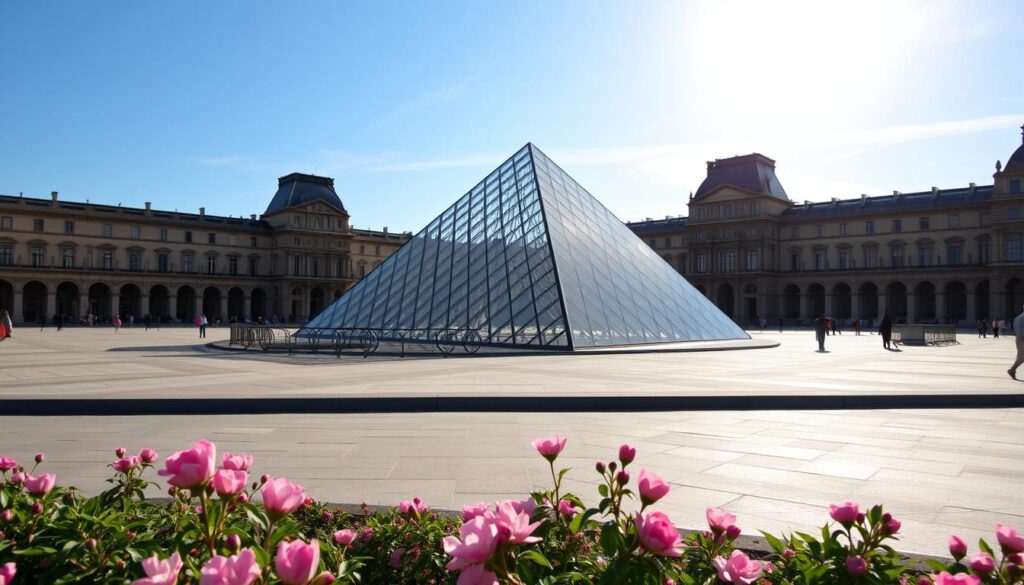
x=298 y=188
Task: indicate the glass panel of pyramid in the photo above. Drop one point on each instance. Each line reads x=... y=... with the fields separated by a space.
x=529 y=258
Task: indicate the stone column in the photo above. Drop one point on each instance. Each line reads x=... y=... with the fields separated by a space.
x=940 y=307
x=198 y=309
x=83 y=304
x=172 y=305
x=246 y=308
x=51 y=303
x=803 y=305
x=855 y=308
x=223 y=308
x=18 y=308
x=828 y=304
x=972 y=317
x=143 y=306
x=996 y=302
x=881 y=306
x=115 y=304
x=911 y=306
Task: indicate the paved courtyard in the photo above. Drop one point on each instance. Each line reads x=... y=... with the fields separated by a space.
x=940 y=471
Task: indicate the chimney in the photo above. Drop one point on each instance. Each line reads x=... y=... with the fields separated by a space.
x=149 y=206
x=895 y=192
x=863 y=198
x=385 y=230
x=252 y=216
x=711 y=165
x=202 y=212
x=53 y=196
x=935 y=192
x=649 y=219
x=835 y=201
x=972 y=188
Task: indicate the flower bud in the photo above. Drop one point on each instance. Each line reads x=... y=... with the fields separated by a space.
x=886 y=517
x=119 y=452
x=622 y=477
x=732 y=532
x=6 y=515
x=90 y=544
x=957 y=547
x=856 y=566
x=233 y=542
x=264 y=478
x=627 y=454
x=860 y=518
x=612 y=466
x=37 y=508
x=600 y=467
x=40 y=457
x=121 y=564
x=788 y=553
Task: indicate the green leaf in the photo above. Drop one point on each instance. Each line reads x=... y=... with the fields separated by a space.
x=603 y=490
x=536 y=557
x=610 y=538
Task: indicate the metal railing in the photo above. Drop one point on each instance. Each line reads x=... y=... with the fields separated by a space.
x=361 y=339
x=924 y=334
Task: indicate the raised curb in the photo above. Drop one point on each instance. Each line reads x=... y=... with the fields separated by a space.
x=384 y=404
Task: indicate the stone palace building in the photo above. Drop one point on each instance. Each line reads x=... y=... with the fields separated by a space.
x=938 y=256
x=71 y=258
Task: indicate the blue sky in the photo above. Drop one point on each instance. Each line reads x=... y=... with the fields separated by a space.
x=408 y=104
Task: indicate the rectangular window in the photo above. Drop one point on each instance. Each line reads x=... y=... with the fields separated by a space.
x=727 y=211
x=819 y=230
x=67 y=257
x=188 y=236
x=842 y=229
x=819 y=260
x=727 y=262
x=897 y=226
x=869 y=226
x=362 y=270
x=924 y=223
x=38 y=254
x=701 y=236
x=254 y=265
x=955 y=254
x=752 y=260
x=69 y=226
x=668 y=243
x=162 y=262
x=252 y=242
x=107 y=230
x=134 y=261
x=752 y=208
x=233 y=266
x=794 y=262
x=107 y=260
x=37 y=225
x=1015 y=186
x=211 y=238
x=295 y=265
x=136 y=232
x=924 y=256
x=897 y=257
x=6 y=223
x=362 y=248
x=702 y=263
x=163 y=234
x=844 y=259
x=701 y=213
x=211 y=264
x=983 y=252
x=6 y=255
x=794 y=232
x=376 y=250
x=1014 y=251
x=871 y=256
x=233 y=240
x=187 y=263
x=316 y=266
x=954 y=221
x=1013 y=213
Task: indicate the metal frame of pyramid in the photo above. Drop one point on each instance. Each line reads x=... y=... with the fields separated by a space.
x=527 y=258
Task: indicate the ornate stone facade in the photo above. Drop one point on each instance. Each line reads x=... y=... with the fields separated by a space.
x=938 y=256
x=70 y=258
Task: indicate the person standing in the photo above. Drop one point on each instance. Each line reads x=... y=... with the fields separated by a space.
x=117 y=323
x=885 y=330
x=820 y=329
x=997 y=324
x=1018 y=334
x=5 y=320
x=782 y=323
x=59 y=322
x=203 y=322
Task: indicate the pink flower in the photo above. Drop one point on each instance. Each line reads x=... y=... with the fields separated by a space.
x=148 y=455
x=159 y=572
x=126 y=464
x=982 y=563
x=550 y=447
x=515 y=525
x=737 y=569
x=240 y=569
x=626 y=454
x=658 y=535
x=281 y=496
x=7 y=464
x=470 y=512
x=119 y=452
x=567 y=508
x=652 y=488
x=18 y=478
x=945 y=578
x=395 y=561
x=957 y=547
x=344 y=537
x=470 y=552
x=6 y=515
x=38 y=485
x=191 y=468
x=296 y=562
x=719 y=520
x=412 y=507
x=1008 y=539
x=845 y=513
x=856 y=565
x=524 y=506
x=7 y=572
x=237 y=462
x=229 y=482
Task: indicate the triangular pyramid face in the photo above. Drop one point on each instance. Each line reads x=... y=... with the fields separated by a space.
x=523 y=253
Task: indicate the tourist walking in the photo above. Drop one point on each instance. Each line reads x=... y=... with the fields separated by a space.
x=117 y=323
x=5 y=320
x=203 y=322
x=885 y=330
x=856 y=326
x=59 y=322
x=1018 y=334
x=147 y=320
x=997 y=324
x=982 y=328
x=820 y=330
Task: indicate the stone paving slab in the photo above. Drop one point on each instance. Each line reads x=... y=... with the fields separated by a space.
x=453 y=459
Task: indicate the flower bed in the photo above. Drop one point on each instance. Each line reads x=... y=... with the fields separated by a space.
x=216 y=531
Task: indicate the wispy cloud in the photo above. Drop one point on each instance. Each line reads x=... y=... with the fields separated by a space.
x=445 y=94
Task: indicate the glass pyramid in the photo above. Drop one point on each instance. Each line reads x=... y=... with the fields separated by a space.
x=529 y=258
